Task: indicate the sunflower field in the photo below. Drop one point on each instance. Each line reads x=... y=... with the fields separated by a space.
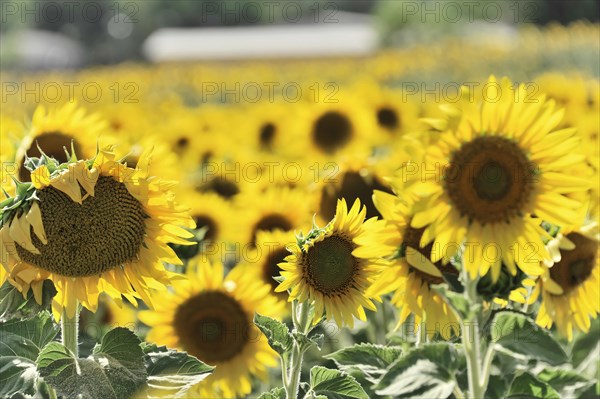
x=421 y=222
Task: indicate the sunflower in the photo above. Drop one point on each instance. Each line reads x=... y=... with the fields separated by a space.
x=203 y=134
x=221 y=176
x=569 y=92
x=212 y=212
x=329 y=268
x=55 y=129
x=270 y=251
x=396 y=113
x=570 y=287
x=494 y=175
x=409 y=273
x=210 y=316
x=351 y=180
x=133 y=127
x=265 y=127
x=343 y=128
x=277 y=208
x=90 y=227
x=588 y=127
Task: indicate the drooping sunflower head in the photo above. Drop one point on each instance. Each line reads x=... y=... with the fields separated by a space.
x=328 y=267
x=91 y=226
x=495 y=174
x=210 y=316
x=570 y=287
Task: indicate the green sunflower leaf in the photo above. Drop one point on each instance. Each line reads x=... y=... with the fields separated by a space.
x=527 y=386
x=307 y=341
x=17 y=365
x=427 y=372
x=587 y=346
x=115 y=369
x=39 y=329
x=170 y=373
x=317 y=339
x=568 y=383
x=335 y=384
x=518 y=333
x=279 y=336
x=275 y=393
x=370 y=359
x=20 y=345
x=14 y=306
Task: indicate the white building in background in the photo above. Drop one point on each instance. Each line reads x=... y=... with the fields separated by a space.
x=342 y=34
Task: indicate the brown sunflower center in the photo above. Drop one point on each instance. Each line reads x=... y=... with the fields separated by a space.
x=212 y=326
x=182 y=144
x=575 y=266
x=87 y=239
x=209 y=222
x=412 y=239
x=329 y=266
x=116 y=124
x=271 y=268
x=388 y=118
x=332 y=131
x=53 y=145
x=267 y=134
x=271 y=222
x=489 y=179
x=222 y=187
x=353 y=186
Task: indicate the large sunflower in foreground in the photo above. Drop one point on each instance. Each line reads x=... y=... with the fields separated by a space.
x=210 y=317
x=571 y=287
x=409 y=274
x=328 y=267
x=497 y=172
x=90 y=227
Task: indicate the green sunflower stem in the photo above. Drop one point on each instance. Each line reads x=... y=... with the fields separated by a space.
x=52 y=393
x=300 y=312
x=70 y=329
x=472 y=342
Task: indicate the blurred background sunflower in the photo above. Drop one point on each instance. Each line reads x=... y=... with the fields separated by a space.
x=210 y=316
